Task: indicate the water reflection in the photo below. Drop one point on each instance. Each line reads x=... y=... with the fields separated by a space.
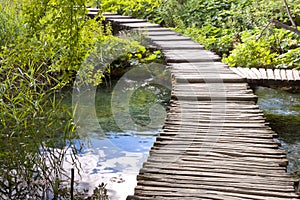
x=128 y=117
x=114 y=160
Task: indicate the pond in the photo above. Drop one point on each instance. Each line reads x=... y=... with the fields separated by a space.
x=282 y=111
x=118 y=123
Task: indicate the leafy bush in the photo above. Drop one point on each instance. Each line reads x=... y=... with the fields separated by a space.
x=271 y=49
x=10 y=24
x=216 y=39
x=290 y=59
x=219 y=24
x=42 y=46
x=251 y=54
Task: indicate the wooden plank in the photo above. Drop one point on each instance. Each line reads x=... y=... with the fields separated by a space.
x=216 y=162
x=125 y=20
x=200 y=65
x=153 y=29
x=93 y=9
x=169 y=45
x=283 y=74
x=270 y=74
x=197 y=183
x=237 y=150
x=257 y=73
x=242 y=71
x=251 y=74
x=263 y=73
x=139 y=25
x=219 y=174
x=159 y=33
x=216 y=97
x=235 y=70
x=289 y=75
x=213 y=79
x=169 y=38
x=215 y=143
x=179 y=56
x=184 y=42
x=296 y=75
x=199 y=194
x=106 y=13
x=112 y=17
x=166 y=186
x=239 y=166
x=277 y=75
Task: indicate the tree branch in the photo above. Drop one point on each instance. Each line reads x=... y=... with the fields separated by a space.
x=287 y=27
x=289 y=13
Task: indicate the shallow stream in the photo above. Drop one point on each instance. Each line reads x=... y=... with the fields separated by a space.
x=114 y=153
x=282 y=111
x=117 y=138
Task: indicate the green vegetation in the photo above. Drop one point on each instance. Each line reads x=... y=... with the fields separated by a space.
x=43 y=44
x=244 y=33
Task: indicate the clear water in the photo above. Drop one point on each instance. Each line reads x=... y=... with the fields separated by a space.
x=282 y=111
x=115 y=148
x=118 y=125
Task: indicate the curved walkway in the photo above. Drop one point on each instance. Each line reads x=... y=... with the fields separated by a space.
x=269 y=77
x=215 y=143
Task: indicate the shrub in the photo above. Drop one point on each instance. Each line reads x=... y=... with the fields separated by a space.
x=270 y=49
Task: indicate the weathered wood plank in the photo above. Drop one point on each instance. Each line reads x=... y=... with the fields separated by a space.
x=215 y=143
x=199 y=194
x=139 y=25
x=173 y=38
x=263 y=73
x=179 y=56
x=242 y=72
x=257 y=73
x=198 y=183
x=283 y=74
x=296 y=75
x=110 y=17
x=251 y=74
x=154 y=29
x=277 y=74
x=124 y=20
x=267 y=193
x=209 y=96
x=186 y=44
x=270 y=74
x=289 y=75
x=220 y=174
x=237 y=71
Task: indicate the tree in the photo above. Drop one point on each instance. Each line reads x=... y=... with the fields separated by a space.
x=292 y=28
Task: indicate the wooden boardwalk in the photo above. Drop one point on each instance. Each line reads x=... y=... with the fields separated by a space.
x=215 y=143
x=269 y=77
